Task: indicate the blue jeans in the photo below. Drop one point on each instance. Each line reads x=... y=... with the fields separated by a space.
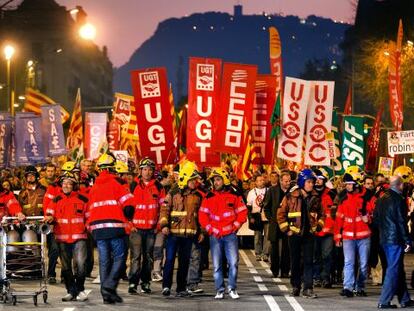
x=194 y=270
x=394 y=282
x=182 y=245
x=112 y=258
x=351 y=248
x=229 y=244
x=141 y=247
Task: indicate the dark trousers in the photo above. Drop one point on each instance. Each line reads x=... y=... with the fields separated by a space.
x=53 y=255
x=73 y=254
x=141 y=247
x=90 y=245
x=301 y=249
x=322 y=260
x=181 y=246
x=279 y=257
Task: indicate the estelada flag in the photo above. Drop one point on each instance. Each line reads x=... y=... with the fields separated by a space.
x=35 y=99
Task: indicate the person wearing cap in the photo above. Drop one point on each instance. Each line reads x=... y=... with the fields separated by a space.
x=300 y=216
x=221 y=215
x=149 y=196
x=67 y=211
x=179 y=222
x=351 y=230
x=110 y=205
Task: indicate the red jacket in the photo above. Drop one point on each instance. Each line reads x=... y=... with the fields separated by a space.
x=52 y=191
x=107 y=200
x=222 y=213
x=349 y=219
x=9 y=206
x=69 y=212
x=327 y=202
x=148 y=200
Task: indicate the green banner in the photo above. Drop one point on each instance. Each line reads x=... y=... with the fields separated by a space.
x=353 y=142
x=336 y=167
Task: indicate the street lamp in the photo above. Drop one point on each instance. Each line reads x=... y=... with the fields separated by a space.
x=8 y=53
x=87 y=31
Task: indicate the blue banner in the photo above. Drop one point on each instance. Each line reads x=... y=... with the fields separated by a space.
x=5 y=142
x=53 y=130
x=29 y=142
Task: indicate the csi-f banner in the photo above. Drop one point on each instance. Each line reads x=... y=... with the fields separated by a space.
x=237 y=98
x=319 y=120
x=203 y=101
x=353 y=142
x=53 y=130
x=262 y=112
x=122 y=108
x=275 y=53
x=153 y=111
x=5 y=141
x=95 y=133
x=29 y=141
x=295 y=104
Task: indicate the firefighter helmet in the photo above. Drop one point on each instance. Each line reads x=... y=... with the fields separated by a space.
x=220 y=172
x=404 y=172
x=106 y=160
x=187 y=172
x=121 y=167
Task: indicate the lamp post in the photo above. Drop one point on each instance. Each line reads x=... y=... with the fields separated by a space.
x=8 y=53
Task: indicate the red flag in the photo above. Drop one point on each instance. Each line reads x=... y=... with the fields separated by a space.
x=373 y=142
x=348 y=103
x=182 y=141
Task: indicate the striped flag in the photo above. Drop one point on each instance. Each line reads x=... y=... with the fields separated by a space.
x=243 y=166
x=129 y=133
x=35 y=99
x=75 y=134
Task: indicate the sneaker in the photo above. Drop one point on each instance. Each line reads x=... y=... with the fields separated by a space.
x=82 y=296
x=265 y=258
x=219 y=295
x=346 y=293
x=387 y=306
x=233 y=294
x=195 y=289
x=361 y=293
x=166 y=291
x=409 y=303
x=132 y=289
x=145 y=288
x=258 y=258
x=52 y=280
x=295 y=292
x=183 y=294
x=97 y=280
x=308 y=293
x=68 y=297
x=156 y=277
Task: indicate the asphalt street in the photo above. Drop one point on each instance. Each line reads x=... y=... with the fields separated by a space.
x=258 y=290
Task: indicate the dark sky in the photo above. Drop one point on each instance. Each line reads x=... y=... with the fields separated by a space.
x=123 y=25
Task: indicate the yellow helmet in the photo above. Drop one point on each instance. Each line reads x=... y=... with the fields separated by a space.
x=220 y=172
x=404 y=172
x=121 y=167
x=68 y=175
x=187 y=172
x=146 y=162
x=68 y=166
x=106 y=160
x=356 y=173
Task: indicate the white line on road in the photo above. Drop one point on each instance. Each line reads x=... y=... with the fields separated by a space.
x=246 y=259
x=271 y=302
x=68 y=309
x=264 y=264
x=277 y=280
x=253 y=271
x=283 y=288
x=269 y=271
x=295 y=305
x=257 y=279
x=262 y=287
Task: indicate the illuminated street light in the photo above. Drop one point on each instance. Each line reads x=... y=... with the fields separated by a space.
x=8 y=52
x=87 y=31
x=410 y=43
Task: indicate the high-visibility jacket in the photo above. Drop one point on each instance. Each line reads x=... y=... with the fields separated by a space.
x=148 y=199
x=69 y=212
x=31 y=200
x=9 y=206
x=349 y=219
x=222 y=213
x=327 y=197
x=108 y=199
x=52 y=191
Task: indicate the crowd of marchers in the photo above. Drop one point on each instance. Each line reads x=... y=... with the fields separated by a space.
x=315 y=230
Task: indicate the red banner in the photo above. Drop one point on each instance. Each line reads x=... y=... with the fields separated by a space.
x=203 y=100
x=395 y=89
x=262 y=111
x=373 y=142
x=114 y=135
x=95 y=133
x=237 y=98
x=153 y=108
x=122 y=108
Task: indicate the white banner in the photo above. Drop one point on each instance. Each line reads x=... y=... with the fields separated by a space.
x=401 y=142
x=295 y=104
x=319 y=122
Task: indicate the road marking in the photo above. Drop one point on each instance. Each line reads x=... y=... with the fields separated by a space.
x=283 y=288
x=264 y=264
x=269 y=271
x=257 y=279
x=253 y=271
x=262 y=287
x=271 y=302
x=68 y=309
x=277 y=280
x=246 y=259
x=295 y=305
